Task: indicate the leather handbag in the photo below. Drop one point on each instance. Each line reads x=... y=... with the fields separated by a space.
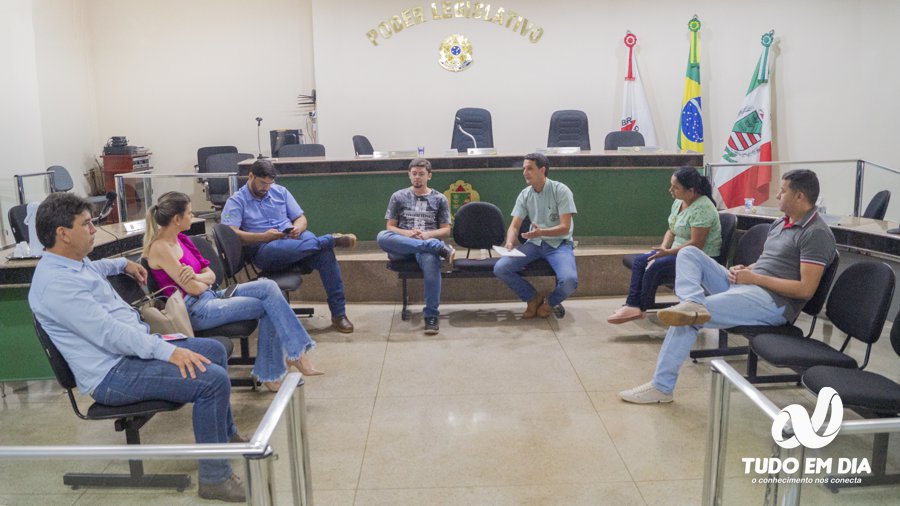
x=165 y=315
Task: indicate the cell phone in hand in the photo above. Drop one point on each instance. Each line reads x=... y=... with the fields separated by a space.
x=229 y=291
x=287 y=230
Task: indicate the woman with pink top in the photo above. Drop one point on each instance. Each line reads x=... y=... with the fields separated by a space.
x=177 y=265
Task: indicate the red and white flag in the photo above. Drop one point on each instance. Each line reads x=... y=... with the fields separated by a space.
x=635 y=109
x=750 y=141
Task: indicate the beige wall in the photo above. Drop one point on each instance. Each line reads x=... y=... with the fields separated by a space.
x=176 y=75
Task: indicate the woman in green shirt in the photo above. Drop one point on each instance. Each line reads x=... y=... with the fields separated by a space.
x=693 y=221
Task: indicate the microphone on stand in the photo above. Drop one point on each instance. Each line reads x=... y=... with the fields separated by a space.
x=107 y=208
x=467 y=134
x=258 y=141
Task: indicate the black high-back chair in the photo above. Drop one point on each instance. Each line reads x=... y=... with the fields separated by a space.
x=301 y=150
x=231 y=252
x=877 y=207
x=618 y=139
x=128 y=418
x=362 y=146
x=858 y=306
x=872 y=396
x=727 y=223
x=477 y=122
x=17 y=224
x=217 y=188
x=569 y=128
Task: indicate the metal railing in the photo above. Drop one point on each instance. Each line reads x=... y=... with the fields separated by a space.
x=720 y=392
x=148 y=175
x=859 y=176
x=257 y=454
x=20 y=184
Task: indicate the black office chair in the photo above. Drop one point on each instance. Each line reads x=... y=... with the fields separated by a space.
x=205 y=152
x=727 y=223
x=872 y=396
x=858 y=306
x=61 y=181
x=301 y=150
x=478 y=226
x=619 y=139
x=877 y=207
x=17 y=223
x=128 y=418
x=475 y=121
x=362 y=146
x=749 y=249
x=231 y=252
x=569 y=128
x=217 y=189
x=240 y=330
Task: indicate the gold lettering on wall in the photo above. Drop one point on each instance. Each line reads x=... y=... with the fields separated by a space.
x=447 y=9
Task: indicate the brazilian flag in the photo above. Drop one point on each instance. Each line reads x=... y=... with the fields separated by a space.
x=690 y=125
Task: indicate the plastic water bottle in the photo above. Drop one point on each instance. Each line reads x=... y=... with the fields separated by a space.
x=748 y=205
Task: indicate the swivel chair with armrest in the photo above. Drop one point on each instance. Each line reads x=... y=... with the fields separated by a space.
x=301 y=150
x=362 y=146
x=569 y=128
x=618 y=139
x=217 y=188
x=877 y=207
x=17 y=225
x=477 y=123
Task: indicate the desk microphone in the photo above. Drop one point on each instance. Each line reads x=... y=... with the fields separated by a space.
x=258 y=141
x=467 y=134
x=106 y=209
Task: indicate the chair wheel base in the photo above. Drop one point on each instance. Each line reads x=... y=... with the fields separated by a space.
x=177 y=481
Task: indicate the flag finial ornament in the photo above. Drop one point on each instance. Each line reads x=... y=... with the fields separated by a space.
x=630 y=39
x=768 y=38
x=694 y=24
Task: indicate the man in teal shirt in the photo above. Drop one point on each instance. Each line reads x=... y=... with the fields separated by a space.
x=549 y=206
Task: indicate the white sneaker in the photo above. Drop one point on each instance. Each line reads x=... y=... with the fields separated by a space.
x=645 y=394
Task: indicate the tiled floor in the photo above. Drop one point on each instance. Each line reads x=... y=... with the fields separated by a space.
x=493 y=410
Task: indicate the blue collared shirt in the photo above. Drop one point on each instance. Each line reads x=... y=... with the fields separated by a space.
x=87 y=320
x=278 y=210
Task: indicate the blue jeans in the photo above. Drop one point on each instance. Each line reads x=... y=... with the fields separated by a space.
x=426 y=253
x=696 y=274
x=280 y=333
x=135 y=379
x=645 y=280
x=309 y=251
x=561 y=259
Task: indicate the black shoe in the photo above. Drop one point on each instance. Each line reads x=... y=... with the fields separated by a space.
x=431 y=325
x=448 y=254
x=559 y=311
x=230 y=490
